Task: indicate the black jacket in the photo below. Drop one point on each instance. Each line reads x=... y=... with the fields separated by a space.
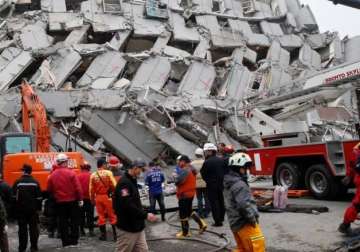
x=6 y=195
x=127 y=205
x=212 y=171
x=27 y=195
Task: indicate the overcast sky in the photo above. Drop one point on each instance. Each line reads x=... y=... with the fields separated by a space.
x=332 y=17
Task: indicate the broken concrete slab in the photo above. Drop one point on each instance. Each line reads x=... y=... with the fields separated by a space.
x=309 y=57
x=60 y=21
x=278 y=56
x=57 y=68
x=180 y=31
x=78 y=35
x=53 y=5
x=305 y=20
x=34 y=37
x=119 y=39
x=100 y=21
x=153 y=72
x=103 y=71
x=198 y=80
x=13 y=61
x=172 y=139
x=130 y=139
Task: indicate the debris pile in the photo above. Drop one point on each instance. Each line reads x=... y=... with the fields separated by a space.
x=152 y=78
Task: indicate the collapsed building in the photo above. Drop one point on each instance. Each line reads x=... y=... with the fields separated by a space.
x=153 y=78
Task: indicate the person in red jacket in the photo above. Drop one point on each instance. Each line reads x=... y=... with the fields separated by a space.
x=87 y=211
x=102 y=186
x=65 y=187
x=186 y=189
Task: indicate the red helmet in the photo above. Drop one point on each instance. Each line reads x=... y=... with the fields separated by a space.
x=114 y=161
x=229 y=149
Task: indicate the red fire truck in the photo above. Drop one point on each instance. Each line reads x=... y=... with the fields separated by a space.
x=318 y=167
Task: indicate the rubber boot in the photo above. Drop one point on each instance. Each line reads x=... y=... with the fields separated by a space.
x=82 y=231
x=102 y=233
x=202 y=224
x=91 y=232
x=345 y=229
x=184 y=229
x=114 y=232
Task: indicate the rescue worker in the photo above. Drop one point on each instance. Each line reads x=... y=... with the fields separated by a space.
x=115 y=165
x=102 y=186
x=154 y=180
x=87 y=211
x=4 y=242
x=351 y=213
x=6 y=195
x=241 y=207
x=65 y=187
x=185 y=192
x=213 y=174
x=27 y=195
x=201 y=194
x=131 y=215
x=221 y=150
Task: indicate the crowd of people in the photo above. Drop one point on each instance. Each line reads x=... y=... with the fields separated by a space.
x=217 y=177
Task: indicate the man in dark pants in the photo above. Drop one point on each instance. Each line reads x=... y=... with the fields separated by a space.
x=87 y=211
x=64 y=185
x=154 y=180
x=213 y=174
x=131 y=215
x=27 y=194
x=6 y=196
x=4 y=242
x=185 y=192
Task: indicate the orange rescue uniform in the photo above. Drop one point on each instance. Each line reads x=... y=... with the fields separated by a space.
x=101 y=183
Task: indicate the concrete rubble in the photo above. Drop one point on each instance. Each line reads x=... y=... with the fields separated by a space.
x=155 y=78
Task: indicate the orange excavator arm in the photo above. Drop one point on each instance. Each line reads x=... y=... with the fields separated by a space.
x=34 y=118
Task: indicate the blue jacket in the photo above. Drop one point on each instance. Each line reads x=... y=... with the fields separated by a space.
x=154 y=179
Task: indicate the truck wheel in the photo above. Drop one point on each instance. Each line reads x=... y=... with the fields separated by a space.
x=321 y=182
x=288 y=174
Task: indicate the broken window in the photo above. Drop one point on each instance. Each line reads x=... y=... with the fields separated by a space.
x=139 y=44
x=255 y=27
x=112 y=6
x=156 y=9
x=223 y=22
x=216 y=6
x=248 y=6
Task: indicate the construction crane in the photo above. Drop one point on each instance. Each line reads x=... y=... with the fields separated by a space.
x=350 y=3
x=33 y=146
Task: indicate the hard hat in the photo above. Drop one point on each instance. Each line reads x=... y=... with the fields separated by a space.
x=178 y=158
x=199 y=152
x=240 y=160
x=229 y=149
x=61 y=158
x=210 y=147
x=113 y=161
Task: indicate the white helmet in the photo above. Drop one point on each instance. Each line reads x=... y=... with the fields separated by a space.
x=61 y=158
x=240 y=159
x=199 y=152
x=210 y=147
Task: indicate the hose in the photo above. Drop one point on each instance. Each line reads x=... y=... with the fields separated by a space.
x=218 y=247
x=348 y=244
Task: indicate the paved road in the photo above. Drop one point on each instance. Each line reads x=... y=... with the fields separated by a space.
x=283 y=232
